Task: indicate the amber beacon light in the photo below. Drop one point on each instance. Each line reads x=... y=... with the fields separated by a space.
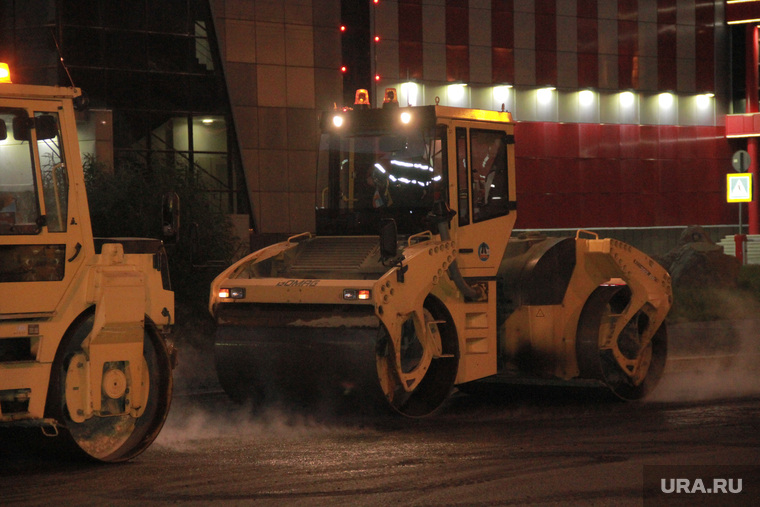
x=5 y=73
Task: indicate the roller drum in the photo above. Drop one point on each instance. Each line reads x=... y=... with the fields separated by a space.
x=303 y=365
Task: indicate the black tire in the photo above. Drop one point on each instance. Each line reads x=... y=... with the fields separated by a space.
x=114 y=438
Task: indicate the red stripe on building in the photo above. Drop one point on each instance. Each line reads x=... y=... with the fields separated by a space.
x=457 y=40
x=628 y=44
x=705 y=46
x=620 y=175
x=667 y=71
x=502 y=41
x=410 y=39
x=546 y=42
x=588 y=44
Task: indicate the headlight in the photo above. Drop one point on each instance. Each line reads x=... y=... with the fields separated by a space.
x=232 y=293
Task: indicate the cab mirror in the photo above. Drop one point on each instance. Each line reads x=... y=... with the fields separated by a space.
x=46 y=126
x=22 y=126
x=388 y=240
x=170 y=216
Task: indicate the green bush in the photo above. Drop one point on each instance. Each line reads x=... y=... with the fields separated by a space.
x=126 y=202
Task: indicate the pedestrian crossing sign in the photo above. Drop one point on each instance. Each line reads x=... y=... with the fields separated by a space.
x=739 y=187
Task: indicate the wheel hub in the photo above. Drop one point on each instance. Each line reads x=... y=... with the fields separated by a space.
x=114 y=383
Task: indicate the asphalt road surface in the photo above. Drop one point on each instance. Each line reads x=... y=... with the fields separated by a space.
x=527 y=446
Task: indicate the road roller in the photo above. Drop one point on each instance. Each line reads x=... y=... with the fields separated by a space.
x=413 y=284
x=84 y=351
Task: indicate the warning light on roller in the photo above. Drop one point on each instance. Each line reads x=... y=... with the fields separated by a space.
x=5 y=73
x=234 y=293
x=356 y=294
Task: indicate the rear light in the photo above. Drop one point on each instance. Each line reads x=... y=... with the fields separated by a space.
x=355 y=294
x=233 y=293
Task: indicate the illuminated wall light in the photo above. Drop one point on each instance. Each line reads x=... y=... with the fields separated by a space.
x=544 y=95
x=342 y=28
x=410 y=91
x=343 y=69
x=703 y=100
x=377 y=38
x=377 y=77
x=626 y=99
x=501 y=93
x=665 y=100
x=337 y=121
x=586 y=98
x=406 y=117
x=456 y=92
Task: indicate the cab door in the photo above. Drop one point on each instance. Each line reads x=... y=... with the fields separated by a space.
x=41 y=240
x=485 y=201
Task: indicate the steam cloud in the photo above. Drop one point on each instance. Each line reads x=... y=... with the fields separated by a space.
x=201 y=411
x=712 y=361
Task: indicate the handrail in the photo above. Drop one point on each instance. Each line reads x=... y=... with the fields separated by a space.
x=194 y=164
x=578 y=233
x=299 y=237
x=418 y=236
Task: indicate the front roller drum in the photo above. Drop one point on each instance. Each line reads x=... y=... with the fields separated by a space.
x=645 y=361
x=296 y=365
x=110 y=438
x=419 y=377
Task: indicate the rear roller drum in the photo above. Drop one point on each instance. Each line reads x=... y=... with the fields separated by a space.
x=632 y=367
x=117 y=437
x=430 y=363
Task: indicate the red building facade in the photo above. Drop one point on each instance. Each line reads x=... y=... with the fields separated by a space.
x=620 y=105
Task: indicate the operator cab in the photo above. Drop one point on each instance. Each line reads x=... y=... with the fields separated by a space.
x=406 y=163
x=376 y=164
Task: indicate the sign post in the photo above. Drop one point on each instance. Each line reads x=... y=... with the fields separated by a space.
x=739 y=185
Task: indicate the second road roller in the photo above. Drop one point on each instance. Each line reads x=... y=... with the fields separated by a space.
x=413 y=283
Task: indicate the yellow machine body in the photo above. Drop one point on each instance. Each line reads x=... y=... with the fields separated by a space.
x=82 y=320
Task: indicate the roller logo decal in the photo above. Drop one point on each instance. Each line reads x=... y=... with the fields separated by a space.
x=484 y=252
x=298 y=283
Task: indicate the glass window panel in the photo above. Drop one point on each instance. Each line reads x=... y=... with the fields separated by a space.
x=55 y=181
x=490 y=197
x=19 y=208
x=210 y=133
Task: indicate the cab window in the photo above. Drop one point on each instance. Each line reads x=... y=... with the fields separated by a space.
x=19 y=195
x=19 y=205
x=490 y=194
x=463 y=206
x=55 y=181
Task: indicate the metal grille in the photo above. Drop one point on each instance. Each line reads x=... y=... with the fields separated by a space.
x=335 y=253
